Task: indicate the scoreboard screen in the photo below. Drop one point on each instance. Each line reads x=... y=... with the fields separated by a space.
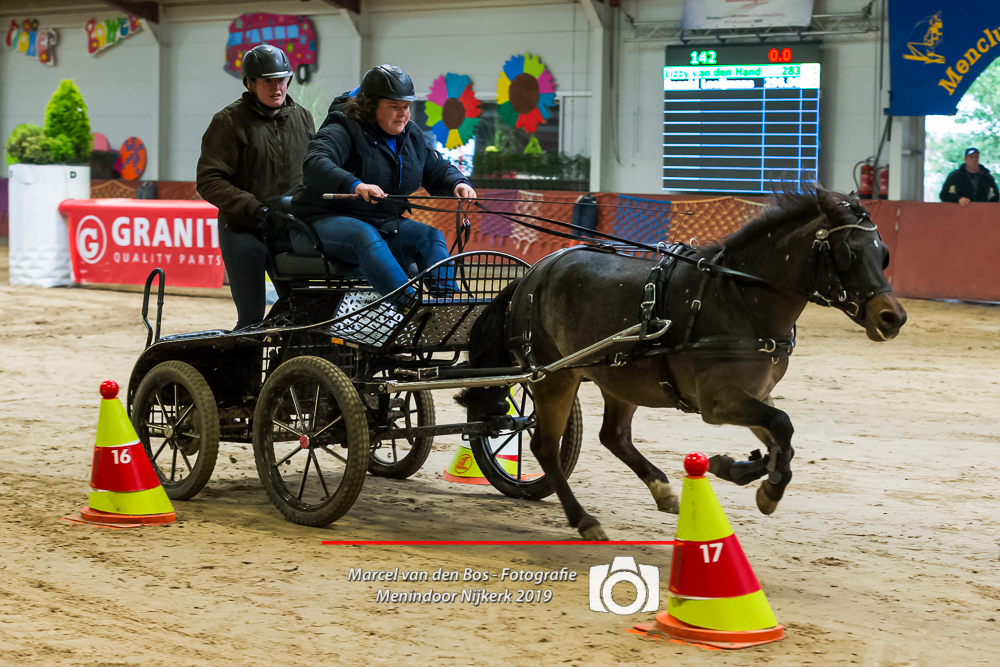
x=740 y=119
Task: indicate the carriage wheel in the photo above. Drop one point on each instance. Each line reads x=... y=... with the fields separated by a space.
x=175 y=417
x=507 y=462
x=310 y=441
x=400 y=458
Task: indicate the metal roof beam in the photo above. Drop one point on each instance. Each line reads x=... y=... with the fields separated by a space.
x=349 y=5
x=140 y=8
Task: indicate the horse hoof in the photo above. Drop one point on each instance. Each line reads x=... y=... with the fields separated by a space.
x=666 y=500
x=765 y=503
x=594 y=533
x=719 y=466
x=670 y=505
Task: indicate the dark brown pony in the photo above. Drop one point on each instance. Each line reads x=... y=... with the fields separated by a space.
x=733 y=307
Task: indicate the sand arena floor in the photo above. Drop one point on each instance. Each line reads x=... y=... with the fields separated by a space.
x=884 y=551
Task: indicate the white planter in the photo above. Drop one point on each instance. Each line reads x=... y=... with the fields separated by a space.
x=39 y=238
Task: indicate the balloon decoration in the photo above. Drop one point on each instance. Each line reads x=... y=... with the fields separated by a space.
x=452 y=110
x=525 y=91
x=33 y=40
x=132 y=160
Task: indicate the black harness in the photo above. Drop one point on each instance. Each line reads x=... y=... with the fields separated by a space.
x=653 y=311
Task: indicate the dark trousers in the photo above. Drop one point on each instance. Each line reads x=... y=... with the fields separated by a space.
x=381 y=258
x=245 y=256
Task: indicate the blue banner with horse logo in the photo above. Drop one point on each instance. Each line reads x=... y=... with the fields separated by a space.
x=937 y=49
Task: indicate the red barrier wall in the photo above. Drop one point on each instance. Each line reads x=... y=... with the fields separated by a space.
x=941 y=251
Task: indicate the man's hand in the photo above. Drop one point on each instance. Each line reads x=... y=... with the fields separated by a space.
x=964 y=201
x=366 y=192
x=464 y=191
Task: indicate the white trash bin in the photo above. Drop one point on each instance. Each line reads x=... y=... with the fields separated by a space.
x=39 y=236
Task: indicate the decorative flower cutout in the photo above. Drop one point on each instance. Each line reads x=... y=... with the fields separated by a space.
x=452 y=110
x=525 y=91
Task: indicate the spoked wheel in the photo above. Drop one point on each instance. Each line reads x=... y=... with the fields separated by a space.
x=507 y=461
x=175 y=417
x=399 y=458
x=310 y=441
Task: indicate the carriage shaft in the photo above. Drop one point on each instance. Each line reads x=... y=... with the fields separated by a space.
x=629 y=335
x=491 y=428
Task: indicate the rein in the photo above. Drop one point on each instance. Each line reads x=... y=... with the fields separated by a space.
x=463 y=227
x=821 y=244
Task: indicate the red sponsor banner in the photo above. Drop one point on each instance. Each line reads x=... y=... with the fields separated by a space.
x=123 y=469
x=716 y=569
x=119 y=241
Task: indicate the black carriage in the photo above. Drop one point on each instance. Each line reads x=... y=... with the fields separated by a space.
x=333 y=384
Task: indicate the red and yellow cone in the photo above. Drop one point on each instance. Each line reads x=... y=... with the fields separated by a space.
x=715 y=598
x=124 y=487
x=463 y=468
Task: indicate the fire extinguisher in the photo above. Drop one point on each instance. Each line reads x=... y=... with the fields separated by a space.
x=866 y=182
x=883 y=182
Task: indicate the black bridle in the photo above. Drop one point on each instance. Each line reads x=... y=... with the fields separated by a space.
x=832 y=258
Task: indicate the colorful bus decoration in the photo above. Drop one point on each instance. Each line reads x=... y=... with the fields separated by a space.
x=105 y=34
x=33 y=40
x=293 y=34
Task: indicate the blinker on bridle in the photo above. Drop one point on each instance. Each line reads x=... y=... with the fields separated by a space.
x=822 y=244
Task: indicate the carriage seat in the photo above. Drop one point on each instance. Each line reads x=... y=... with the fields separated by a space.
x=289 y=265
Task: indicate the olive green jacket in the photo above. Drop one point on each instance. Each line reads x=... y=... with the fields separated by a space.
x=249 y=158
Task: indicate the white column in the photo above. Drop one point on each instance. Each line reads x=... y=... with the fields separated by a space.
x=906 y=158
x=600 y=49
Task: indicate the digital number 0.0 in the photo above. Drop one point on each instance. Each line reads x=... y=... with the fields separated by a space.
x=779 y=56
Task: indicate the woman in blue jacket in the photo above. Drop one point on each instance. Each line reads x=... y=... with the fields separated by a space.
x=369 y=147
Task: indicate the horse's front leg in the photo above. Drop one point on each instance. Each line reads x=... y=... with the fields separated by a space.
x=616 y=435
x=732 y=405
x=553 y=399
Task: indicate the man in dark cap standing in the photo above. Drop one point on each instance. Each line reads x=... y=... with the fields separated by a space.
x=970 y=182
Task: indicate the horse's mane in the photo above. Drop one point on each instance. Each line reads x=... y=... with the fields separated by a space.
x=788 y=208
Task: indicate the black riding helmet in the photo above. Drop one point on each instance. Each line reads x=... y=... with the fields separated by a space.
x=266 y=62
x=388 y=82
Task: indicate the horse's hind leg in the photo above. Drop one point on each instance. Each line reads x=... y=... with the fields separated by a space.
x=731 y=405
x=553 y=399
x=616 y=435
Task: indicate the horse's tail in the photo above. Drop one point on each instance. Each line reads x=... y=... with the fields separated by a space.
x=488 y=349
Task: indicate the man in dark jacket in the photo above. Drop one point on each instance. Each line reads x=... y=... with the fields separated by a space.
x=369 y=147
x=252 y=154
x=970 y=182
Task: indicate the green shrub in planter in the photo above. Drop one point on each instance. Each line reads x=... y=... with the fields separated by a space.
x=66 y=119
x=28 y=144
x=65 y=139
x=16 y=146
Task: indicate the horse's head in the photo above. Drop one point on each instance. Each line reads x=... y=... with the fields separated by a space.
x=851 y=260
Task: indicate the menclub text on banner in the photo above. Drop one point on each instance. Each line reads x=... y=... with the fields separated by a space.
x=119 y=241
x=937 y=49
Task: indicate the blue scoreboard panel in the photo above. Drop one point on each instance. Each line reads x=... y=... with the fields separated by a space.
x=740 y=119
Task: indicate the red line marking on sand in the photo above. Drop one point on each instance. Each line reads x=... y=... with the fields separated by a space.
x=493 y=542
